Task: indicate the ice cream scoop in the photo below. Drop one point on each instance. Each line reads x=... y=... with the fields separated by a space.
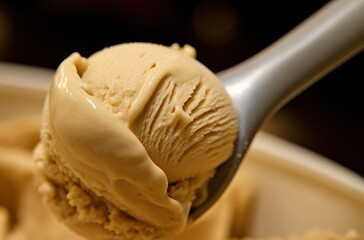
x=262 y=84
x=130 y=137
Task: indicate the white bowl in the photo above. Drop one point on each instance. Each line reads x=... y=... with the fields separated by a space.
x=300 y=190
x=297 y=189
x=22 y=89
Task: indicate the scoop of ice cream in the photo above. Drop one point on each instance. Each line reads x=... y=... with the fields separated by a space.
x=130 y=138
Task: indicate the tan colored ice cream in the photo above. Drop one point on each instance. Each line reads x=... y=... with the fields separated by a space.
x=24 y=217
x=130 y=138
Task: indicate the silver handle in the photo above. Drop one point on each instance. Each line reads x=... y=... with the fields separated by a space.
x=265 y=82
x=260 y=85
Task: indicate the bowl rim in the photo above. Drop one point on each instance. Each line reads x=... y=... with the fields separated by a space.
x=18 y=76
x=308 y=163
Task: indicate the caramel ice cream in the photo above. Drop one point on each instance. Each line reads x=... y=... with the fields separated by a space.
x=130 y=138
x=24 y=217
x=127 y=148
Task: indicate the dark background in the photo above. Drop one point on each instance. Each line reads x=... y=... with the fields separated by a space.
x=327 y=118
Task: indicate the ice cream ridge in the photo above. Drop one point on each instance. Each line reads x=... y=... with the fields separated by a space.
x=130 y=138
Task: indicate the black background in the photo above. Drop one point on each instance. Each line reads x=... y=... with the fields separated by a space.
x=327 y=118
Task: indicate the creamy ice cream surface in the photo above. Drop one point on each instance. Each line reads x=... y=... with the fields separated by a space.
x=24 y=217
x=130 y=138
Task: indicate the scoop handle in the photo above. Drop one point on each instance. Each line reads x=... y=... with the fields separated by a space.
x=262 y=84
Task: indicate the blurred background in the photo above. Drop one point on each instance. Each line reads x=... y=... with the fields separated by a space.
x=327 y=118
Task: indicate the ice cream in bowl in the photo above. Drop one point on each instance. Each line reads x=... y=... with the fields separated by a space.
x=141 y=141
x=281 y=190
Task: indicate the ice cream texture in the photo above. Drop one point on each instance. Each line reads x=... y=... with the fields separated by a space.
x=24 y=217
x=130 y=138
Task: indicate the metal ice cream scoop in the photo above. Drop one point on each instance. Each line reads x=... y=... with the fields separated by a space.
x=262 y=84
